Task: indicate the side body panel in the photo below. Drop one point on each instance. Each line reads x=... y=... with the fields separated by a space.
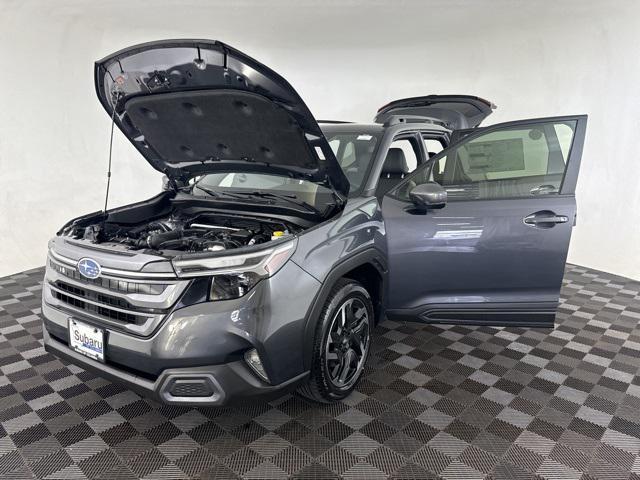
x=333 y=249
x=358 y=228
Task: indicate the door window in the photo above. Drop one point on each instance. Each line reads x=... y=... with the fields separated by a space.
x=409 y=151
x=510 y=163
x=402 y=158
x=432 y=146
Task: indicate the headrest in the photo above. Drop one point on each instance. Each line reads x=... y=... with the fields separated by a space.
x=395 y=163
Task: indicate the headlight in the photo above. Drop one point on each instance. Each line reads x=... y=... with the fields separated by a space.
x=224 y=287
x=234 y=275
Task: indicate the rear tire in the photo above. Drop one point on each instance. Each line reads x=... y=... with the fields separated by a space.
x=341 y=344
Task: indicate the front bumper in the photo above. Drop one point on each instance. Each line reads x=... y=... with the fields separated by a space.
x=200 y=348
x=225 y=382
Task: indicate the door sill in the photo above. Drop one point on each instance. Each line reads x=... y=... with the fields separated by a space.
x=540 y=315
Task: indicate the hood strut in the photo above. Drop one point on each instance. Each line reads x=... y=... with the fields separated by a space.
x=113 y=124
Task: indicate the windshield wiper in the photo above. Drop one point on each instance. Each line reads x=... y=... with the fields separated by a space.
x=291 y=198
x=215 y=193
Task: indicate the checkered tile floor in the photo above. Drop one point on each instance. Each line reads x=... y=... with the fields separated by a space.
x=437 y=402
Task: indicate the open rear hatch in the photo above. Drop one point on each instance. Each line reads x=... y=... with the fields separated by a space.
x=455 y=111
x=193 y=107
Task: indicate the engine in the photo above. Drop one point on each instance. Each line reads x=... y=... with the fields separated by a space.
x=204 y=233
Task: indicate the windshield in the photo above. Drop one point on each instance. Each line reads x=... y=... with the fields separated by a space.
x=354 y=151
x=301 y=190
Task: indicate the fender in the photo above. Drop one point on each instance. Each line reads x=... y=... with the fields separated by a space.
x=371 y=256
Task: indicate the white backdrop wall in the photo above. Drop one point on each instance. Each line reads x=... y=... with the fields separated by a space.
x=346 y=58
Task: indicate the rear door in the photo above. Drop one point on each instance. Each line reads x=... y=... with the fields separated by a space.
x=454 y=111
x=495 y=254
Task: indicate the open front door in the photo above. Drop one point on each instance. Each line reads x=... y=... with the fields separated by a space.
x=495 y=253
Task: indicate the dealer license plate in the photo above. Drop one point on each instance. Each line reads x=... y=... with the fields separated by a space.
x=86 y=339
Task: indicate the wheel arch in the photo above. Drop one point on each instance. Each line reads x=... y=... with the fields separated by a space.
x=369 y=267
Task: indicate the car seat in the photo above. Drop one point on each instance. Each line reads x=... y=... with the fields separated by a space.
x=394 y=170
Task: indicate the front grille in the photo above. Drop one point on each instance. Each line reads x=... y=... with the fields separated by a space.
x=102 y=298
x=135 y=305
x=69 y=300
x=122 y=286
x=99 y=310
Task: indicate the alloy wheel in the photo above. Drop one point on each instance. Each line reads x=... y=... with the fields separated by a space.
x=347 y=343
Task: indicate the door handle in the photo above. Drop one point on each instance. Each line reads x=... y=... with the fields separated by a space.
x=544 y=219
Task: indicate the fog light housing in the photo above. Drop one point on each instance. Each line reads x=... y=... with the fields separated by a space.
x=253 y=360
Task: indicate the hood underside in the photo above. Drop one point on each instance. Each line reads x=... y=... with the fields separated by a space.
x=193 y=107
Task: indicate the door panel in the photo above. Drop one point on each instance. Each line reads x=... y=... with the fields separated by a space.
x=496 y=252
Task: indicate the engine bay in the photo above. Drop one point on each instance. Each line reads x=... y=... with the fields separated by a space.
x=185 y=234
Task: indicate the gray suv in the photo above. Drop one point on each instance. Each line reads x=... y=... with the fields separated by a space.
x=279 y=241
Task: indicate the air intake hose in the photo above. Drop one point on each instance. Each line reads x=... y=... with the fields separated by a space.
x=156 y=239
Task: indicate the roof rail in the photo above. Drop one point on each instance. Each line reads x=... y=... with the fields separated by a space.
x=398 y=119
x=334 y=121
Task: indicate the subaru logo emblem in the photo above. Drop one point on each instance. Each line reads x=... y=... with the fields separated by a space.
x=89 y=268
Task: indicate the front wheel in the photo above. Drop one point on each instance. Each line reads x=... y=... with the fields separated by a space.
x=342 y=341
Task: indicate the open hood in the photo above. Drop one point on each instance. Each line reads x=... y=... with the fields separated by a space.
x=455 y=111
x=193 y=107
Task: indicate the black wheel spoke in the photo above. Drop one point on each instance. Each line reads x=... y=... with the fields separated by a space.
x=351 y=317
x=360 y=328
x=336 y=369
x=361 y=313
x=346 y=365
x=333 y=356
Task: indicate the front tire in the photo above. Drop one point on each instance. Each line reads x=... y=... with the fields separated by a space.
x=342 y=343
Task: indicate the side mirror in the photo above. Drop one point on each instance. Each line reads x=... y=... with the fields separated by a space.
x=165 y=183
x=428 y=195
